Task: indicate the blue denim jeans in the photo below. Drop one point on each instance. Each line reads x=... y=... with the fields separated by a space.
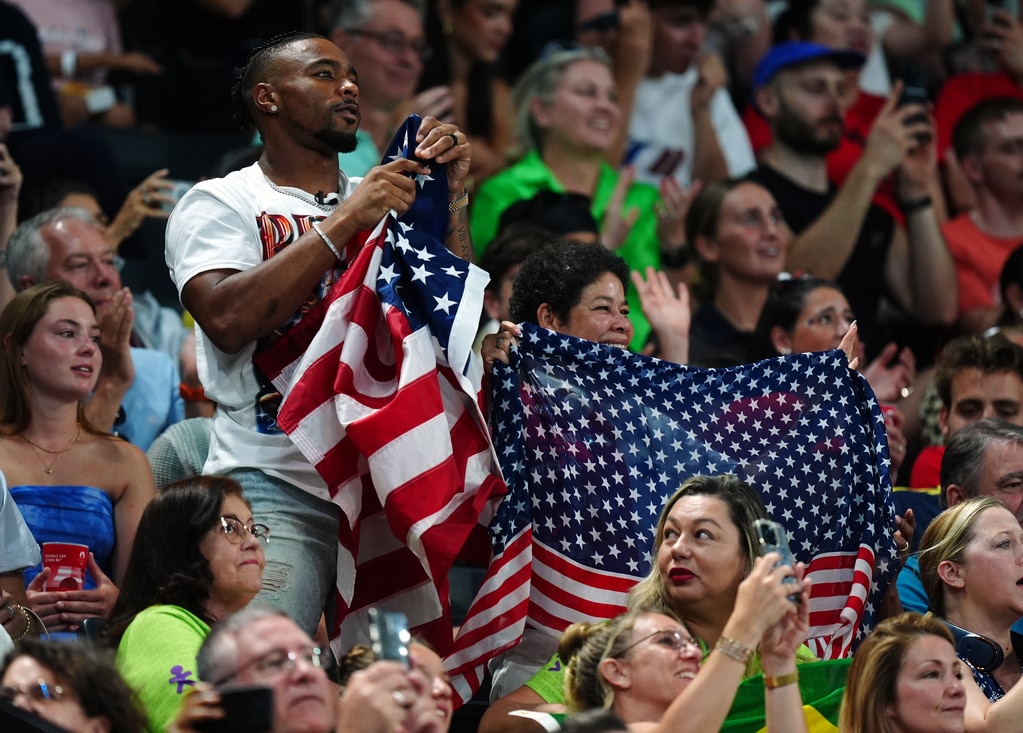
x=301 y=557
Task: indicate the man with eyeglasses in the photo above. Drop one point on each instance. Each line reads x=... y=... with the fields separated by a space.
x=802 y=90
x=138 y=391
x=385 y=41
x=262 y=646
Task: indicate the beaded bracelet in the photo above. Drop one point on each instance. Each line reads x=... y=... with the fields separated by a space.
x=733 y=649
x=326 y=240
x=28 y=624
x=782 y=680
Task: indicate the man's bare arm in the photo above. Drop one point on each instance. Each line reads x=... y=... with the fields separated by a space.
x=236 y=308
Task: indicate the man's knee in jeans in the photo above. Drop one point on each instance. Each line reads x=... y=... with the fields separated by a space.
x=301 y=557
x=302 y=589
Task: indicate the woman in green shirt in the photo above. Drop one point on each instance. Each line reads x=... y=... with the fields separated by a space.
x=567 y=120
x=198 y=557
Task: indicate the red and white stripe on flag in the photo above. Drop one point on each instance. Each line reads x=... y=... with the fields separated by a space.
x=400 y=439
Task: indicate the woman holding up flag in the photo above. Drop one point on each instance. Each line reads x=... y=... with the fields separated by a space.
x=579 y=289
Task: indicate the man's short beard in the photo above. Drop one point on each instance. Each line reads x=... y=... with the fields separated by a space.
x=795 y=133
x=337 y=140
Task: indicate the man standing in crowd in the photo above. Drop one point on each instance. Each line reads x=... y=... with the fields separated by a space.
x=253 y=252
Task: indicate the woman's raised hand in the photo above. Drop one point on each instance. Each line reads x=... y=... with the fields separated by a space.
x=762 y=599
x=617 y=224
x=498 y=346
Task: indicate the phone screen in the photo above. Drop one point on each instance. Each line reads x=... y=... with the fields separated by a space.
x=388 y=631
x=247 y=709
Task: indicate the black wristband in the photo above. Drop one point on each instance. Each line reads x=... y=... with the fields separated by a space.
x=908 y=207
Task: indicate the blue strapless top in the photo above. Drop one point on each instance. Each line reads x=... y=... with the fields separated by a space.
x=80 y=514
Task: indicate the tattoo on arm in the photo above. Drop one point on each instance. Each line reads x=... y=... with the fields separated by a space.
x=458 y=239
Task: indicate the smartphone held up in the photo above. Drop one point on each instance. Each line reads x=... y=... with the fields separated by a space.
x=774 y=538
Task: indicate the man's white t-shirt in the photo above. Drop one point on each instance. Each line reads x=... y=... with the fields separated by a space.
x=235 y=223
x=661 y=130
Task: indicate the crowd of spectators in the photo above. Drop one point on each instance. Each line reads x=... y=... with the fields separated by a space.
x=708 y=182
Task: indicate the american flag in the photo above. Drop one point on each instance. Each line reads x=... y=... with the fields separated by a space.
x=381 y=395
x=593 y=439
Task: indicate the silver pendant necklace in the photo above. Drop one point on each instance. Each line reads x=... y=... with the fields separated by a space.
x=331 y=201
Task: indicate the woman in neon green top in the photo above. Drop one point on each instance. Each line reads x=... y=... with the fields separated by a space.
x=197 y=557
x=567 y=119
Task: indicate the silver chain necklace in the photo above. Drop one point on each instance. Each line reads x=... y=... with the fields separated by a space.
x=309 y=200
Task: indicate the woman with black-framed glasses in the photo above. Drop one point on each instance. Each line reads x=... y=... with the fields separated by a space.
x=649 y=670
x=198 y=557
x=72 y=685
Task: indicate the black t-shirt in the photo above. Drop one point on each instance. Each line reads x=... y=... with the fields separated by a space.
x=24 y=81
x=862 y=278
x=715 y=342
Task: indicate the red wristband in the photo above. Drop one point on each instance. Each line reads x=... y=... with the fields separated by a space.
x=192 y=394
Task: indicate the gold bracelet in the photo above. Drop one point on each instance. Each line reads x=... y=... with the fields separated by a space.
x=28 y=625
x=733 y=649
x=460 y=203
x=772 y=683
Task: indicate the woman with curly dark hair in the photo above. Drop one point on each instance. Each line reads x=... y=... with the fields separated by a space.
x=579 y=289
x=69 y=684
x=198 y=556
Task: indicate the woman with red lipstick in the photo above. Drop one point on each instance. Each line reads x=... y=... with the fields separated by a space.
x=905 y=678
x=198 y=556
x=466 y=38
x=704 y=548
x=71 y=481
x=646 y=667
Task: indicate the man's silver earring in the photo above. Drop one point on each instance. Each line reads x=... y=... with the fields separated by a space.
x=273 y=107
